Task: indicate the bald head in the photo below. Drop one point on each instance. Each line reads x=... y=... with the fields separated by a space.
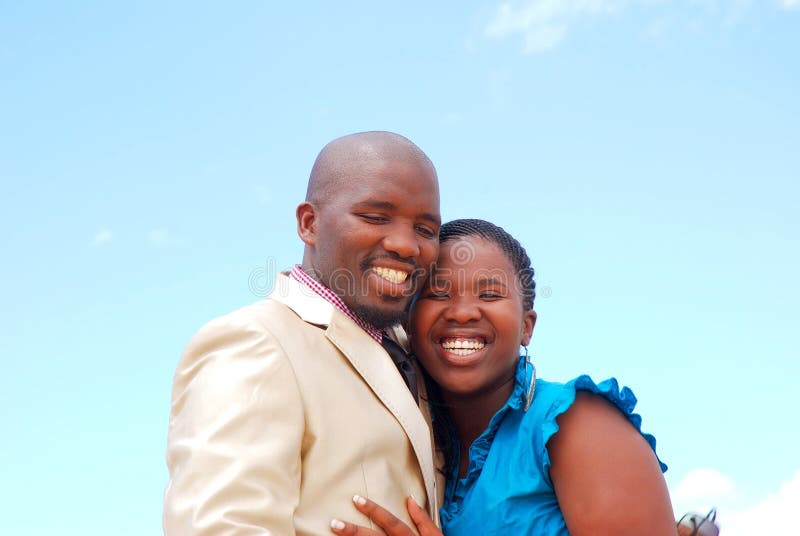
x=347 y=157
x=370 y=223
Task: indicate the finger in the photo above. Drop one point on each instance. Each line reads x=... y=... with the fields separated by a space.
x=382 y=517
x=343 y=528
x=425 y=525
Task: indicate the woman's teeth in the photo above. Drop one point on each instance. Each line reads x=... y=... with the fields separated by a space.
x=393 y=276
x=462 y=346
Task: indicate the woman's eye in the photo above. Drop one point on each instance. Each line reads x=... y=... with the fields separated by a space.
x=436 y=295
x=490 y=296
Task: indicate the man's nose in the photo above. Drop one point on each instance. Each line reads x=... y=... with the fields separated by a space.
x=402 y=240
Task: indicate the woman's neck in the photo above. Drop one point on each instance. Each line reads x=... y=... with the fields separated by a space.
x=471 y=414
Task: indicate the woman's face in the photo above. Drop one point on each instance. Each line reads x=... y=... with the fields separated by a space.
x=468 y=323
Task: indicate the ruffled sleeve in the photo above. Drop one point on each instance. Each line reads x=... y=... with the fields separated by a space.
x=561 y=398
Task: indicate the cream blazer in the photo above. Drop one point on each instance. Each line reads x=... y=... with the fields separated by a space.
x=281 y=411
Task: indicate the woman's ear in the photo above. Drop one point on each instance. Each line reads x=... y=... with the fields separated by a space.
x=528 y=322
x=307 y=223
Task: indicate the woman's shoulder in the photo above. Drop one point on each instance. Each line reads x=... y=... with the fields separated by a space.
x=564 y=392
x=554 y=399
x=598 y=458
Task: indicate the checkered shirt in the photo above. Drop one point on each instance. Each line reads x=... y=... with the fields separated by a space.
x=300 y=276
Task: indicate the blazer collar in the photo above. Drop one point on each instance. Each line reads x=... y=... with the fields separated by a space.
x=308 y=305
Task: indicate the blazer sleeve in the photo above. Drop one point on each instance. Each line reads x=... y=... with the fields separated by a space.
x=235 y=435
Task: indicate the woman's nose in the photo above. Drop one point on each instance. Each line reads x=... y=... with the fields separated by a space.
x=462 y=310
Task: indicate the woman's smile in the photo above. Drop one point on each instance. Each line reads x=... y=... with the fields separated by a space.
x=462 y=351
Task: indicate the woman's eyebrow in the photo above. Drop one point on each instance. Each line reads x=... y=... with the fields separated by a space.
x=491 y=281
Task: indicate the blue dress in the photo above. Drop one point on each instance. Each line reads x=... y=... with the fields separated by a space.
x=507 y=489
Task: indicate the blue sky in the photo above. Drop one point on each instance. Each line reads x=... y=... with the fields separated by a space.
x=152 y=154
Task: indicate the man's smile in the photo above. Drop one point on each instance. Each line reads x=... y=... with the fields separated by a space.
x=390 y=274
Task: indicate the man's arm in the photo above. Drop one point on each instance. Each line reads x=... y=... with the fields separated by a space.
x=235 y=435
x=606 y=476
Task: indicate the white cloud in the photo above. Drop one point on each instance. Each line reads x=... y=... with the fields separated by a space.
x=102 y=237
x=790 y=4
x=700 y=485
x=736 y=11
x=776 y=514
x=158 y=236
x=658 y=29
x=544 y=24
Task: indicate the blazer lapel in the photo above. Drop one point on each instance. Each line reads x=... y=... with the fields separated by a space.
x=373 y=364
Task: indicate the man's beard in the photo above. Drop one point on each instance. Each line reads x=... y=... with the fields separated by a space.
x=379 y=317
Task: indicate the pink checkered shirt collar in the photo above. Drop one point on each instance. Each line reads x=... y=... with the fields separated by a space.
x=300 y=276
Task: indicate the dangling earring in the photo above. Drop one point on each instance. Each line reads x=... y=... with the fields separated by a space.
x=532 y=385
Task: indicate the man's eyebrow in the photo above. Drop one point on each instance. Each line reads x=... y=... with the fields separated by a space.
x=433 y=218
x=369 y=203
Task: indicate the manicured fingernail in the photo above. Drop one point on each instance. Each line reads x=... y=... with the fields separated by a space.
x=358 y=499
x=336 y=524
x=414 y=499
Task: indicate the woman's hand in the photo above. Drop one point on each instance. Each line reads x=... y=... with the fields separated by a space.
x=385 y=520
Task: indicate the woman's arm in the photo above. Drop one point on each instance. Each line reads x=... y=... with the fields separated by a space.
x=606 y=476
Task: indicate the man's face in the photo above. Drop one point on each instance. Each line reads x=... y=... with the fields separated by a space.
x=376 y=237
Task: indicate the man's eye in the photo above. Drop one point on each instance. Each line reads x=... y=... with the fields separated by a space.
x=426 y=231
x=490 y=296
x=374 y=218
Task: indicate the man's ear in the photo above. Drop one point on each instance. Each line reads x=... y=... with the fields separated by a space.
x=307 y=223
x=528 y=322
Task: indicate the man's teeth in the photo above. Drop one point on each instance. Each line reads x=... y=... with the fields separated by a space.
x=394 y=276
x=462 y=346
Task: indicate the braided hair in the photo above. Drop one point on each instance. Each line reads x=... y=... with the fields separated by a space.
x=507 y=244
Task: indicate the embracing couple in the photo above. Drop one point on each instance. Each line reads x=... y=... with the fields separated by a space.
x=385 y=385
